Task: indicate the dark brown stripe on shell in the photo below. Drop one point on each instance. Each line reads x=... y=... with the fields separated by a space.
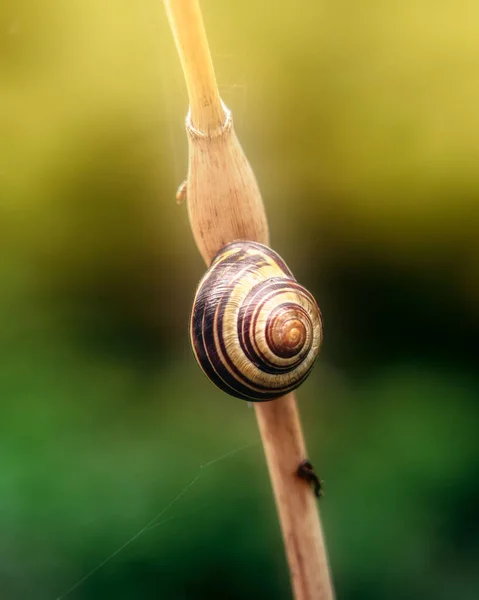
x=243 y=247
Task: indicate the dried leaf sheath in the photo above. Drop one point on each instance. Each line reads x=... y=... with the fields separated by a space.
x=224 y=201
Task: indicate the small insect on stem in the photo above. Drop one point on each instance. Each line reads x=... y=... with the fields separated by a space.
x=305 y=471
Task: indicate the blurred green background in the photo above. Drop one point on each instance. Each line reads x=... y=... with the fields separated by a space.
x=360 y=120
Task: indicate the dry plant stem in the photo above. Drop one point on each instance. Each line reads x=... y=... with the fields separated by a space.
x=188 y=30
x=224 y=204
x=284 y=447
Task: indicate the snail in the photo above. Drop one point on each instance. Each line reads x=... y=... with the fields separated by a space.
x=254 y=330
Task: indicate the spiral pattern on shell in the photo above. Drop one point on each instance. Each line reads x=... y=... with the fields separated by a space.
x=254 y=330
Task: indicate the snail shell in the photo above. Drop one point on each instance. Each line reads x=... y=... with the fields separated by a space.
x=254 y=330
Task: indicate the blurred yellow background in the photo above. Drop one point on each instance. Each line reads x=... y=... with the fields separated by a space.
x=360 y=121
